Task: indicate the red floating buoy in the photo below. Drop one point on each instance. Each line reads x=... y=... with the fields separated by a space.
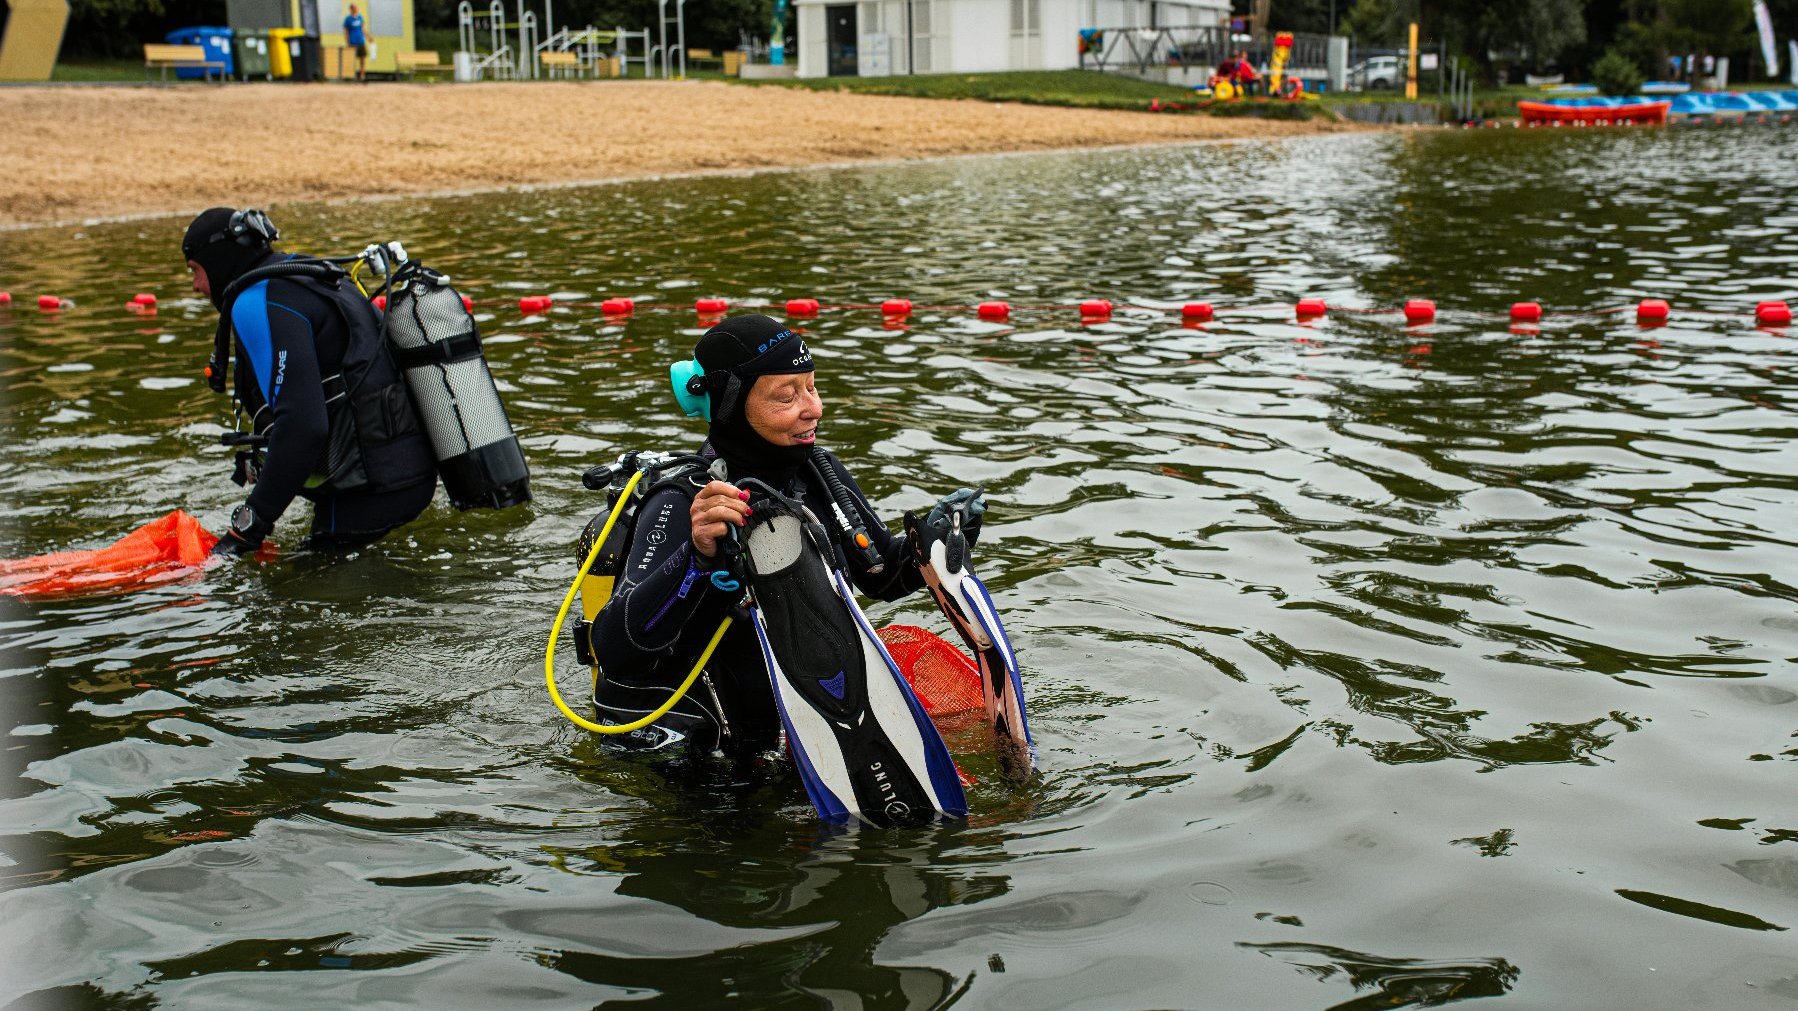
x=1198 y=312
x=49 y=303
x=802 y=307
x=896 y=307
x=1095 y=308
x=1652 y=310
x=707 y=306
x=1419 y=310
x=5 y=298
x=531 y=304
x=467 y=304
x=1526 y=312
x=144 y=298
x=993 y=310
x=1773 y=314
x=618 y=306
x=1312 y=307
x=379 y=302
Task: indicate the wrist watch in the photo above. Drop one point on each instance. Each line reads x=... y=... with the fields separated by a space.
x=244 y=519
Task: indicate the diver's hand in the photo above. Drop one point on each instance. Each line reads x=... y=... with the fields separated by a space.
x=717 y=507
x=972 y=505
x=244 y=535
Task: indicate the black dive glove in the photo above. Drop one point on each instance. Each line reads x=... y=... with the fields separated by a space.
x=973 y=506
x=245 y=534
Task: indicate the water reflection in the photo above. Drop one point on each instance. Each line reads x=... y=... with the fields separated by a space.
x=1323 y=624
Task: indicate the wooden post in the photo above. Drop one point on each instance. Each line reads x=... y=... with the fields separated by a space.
x=1411 y=71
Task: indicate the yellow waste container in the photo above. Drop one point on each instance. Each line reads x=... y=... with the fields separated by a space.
x=280 y=50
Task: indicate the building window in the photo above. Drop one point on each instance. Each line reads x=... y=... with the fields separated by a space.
x=1026 y=17
x=922 y=40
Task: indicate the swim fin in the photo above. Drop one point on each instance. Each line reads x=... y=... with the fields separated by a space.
x=864 y=745
x=942 y=552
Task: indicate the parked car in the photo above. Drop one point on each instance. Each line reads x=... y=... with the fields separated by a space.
x=1376 y=73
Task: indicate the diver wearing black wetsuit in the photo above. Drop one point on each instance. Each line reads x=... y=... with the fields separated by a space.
x=291 y=342
x=666 y=607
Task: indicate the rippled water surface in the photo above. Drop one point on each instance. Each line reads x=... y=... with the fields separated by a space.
x=1370 y=666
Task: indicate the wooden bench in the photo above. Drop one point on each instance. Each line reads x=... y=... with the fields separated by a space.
x=164 y=56
x=560 y=63
x=698 y=56
x=412 y=63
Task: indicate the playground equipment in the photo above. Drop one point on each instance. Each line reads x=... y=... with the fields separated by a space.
x=592 y=46
x=679 y=21
x=33 y=38
x=471 y=63
x=514 y=49
x=1291 y=88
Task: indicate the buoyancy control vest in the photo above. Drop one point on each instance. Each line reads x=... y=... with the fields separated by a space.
x=659 y=470
x=374 y=441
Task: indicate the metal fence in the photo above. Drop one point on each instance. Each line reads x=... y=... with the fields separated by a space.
x=1145 y=52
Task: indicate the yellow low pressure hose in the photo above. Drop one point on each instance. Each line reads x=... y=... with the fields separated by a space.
x=555 y=630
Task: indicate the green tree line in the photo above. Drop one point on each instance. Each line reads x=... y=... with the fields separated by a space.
x=1540 y=35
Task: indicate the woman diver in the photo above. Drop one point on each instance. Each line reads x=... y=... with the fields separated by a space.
x=752 y=379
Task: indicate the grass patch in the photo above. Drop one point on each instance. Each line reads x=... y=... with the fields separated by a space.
x=1080 y=89
x=92 y=70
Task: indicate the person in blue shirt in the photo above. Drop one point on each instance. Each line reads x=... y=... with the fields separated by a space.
x=356 y=39
x=326 y=403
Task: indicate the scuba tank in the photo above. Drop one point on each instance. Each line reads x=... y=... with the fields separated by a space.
x=438 y=349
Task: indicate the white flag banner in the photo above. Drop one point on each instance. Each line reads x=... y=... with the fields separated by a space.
x=1792 y=51
x=1769 y=48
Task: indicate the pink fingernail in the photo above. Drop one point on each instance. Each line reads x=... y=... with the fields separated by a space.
x=744 y=495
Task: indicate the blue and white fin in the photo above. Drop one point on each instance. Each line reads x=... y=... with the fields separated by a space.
x=864 y=746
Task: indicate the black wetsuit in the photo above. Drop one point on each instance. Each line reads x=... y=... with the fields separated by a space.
x=666 y=609
x=289 y=338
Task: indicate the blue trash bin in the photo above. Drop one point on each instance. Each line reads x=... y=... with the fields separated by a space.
x=217 y=43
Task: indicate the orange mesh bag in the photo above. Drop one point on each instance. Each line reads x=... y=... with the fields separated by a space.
x=160 y=550
x=942 y=677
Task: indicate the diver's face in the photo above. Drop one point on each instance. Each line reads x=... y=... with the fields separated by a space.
x=784 y=410
x=202 y=284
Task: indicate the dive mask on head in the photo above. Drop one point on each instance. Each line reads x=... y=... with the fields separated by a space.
x=690 y=391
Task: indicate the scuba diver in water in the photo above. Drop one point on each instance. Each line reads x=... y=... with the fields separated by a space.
x=330 y=417
x=752 y=379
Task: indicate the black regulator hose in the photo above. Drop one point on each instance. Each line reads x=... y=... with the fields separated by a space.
x=854 y=534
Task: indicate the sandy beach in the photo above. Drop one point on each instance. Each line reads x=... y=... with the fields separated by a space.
x=79 y=154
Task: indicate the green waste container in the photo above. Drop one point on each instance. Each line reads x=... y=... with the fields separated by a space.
x=254 y=58
x=281 y=49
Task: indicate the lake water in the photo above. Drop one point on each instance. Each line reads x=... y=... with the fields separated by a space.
x=1371 y=666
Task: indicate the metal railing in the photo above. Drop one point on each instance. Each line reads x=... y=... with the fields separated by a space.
x=1145 y=51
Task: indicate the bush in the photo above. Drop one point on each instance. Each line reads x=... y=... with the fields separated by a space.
x=1616 y=74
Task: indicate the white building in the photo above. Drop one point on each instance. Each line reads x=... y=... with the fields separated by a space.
x=878 y=38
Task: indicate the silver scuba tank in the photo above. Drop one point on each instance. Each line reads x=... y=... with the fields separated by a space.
x=438 y=348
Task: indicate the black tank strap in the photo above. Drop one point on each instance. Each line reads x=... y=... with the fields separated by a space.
x=323 y=271
x=458 y=348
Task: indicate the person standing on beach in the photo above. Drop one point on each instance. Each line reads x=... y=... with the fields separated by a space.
x=355 y=39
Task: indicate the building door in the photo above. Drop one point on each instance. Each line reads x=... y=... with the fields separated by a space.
x=840 y=35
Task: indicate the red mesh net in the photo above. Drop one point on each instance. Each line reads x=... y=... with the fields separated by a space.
x=943 y=677
x=160 y=550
